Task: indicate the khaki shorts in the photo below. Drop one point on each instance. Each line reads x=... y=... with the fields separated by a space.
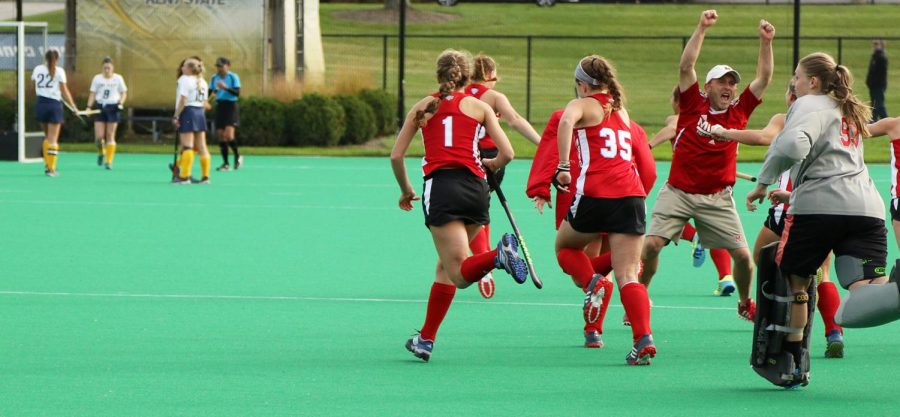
x=715 y=217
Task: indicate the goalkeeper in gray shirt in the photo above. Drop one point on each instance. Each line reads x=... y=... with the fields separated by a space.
x=834 y=207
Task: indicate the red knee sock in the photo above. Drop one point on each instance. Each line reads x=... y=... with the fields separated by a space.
x=688 y=232
x=482 y=241
x=438 y=303
x=828 y=303
x=637 y=305
x=602 y=264
x=722 y=259
x=577 y=264
x=477 y=266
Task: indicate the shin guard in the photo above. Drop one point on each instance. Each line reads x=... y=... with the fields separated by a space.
x=772 y=324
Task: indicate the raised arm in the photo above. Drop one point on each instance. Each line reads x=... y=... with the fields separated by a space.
x=687 y=75
x=509 y=114
x=765 y=63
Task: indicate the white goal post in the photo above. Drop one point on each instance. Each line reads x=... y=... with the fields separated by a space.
x=20 y=88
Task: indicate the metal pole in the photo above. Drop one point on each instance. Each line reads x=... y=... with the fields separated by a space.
x=384 y=62
x=840 y=49
x=401 y=59
x=796 y=34
x=18 y=10
x=300 y=64
x=20 y=64
x=528 y=83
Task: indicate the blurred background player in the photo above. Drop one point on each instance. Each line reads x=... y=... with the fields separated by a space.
x=225 y=85
x=50 y=87
x=602 y=135
x=703 y=169
x=877 y=78
x=455 y=199
x=484 y=78
x=828 y=298
x=891 y=127
x=108 y=92
x=720 y=257
x=189 y=117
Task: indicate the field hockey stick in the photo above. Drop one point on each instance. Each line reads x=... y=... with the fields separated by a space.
x=75 y=112
x=744 y=176
x=518 y=233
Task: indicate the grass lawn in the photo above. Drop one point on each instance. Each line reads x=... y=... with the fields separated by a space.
x=646 y=67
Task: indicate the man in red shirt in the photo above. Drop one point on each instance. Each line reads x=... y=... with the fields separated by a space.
x=703 y=169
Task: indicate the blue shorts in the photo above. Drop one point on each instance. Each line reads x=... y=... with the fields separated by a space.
x=192 y=119
x=109 y=113
x=49 y=110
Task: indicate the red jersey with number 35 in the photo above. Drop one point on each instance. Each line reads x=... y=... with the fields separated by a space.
x=485 y=140
x=702 y=165
x=605 y=157
x=451 y=139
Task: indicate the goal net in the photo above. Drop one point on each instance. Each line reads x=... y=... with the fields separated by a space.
x=22 y=47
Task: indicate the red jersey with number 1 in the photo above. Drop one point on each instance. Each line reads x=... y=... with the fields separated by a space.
x=451 y=139
x=605 y=156
x=485 y=140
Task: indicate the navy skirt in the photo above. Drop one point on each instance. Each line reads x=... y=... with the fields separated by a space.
x=192 y=119
x=49 y=110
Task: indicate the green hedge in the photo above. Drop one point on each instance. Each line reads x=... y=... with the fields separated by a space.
x=315 y=120
x=262 y=122
x=384 y=105
x=360 y=120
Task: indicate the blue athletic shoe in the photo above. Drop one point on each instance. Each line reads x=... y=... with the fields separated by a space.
x=835 y=345
x=419 y=347
x=698 y=252
x=726 y=286
x=508 y=258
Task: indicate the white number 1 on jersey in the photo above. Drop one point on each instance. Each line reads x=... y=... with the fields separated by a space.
x=448 y=131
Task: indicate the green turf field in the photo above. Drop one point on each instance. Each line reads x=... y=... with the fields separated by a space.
x=289 y=288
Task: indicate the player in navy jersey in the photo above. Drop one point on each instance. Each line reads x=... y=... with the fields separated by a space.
x=484 y=78
x=609 y=198
x=455 y=199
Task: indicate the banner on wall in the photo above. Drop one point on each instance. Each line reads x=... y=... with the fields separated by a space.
x=148 y=39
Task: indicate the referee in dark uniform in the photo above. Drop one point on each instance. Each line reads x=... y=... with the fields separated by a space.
x=225 y=85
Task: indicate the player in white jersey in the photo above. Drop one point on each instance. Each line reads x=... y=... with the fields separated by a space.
x=189 y=118
x=50 y=87
x=108 y=92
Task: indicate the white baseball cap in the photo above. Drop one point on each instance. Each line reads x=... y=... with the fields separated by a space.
x=720 y=71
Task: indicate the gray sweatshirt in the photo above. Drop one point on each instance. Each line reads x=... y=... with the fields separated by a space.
x=827 y=168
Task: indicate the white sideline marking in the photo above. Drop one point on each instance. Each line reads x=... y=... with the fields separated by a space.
x=148 y=204
x=296 y=298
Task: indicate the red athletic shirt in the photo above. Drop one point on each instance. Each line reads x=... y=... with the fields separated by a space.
x=485 y=140
x=451 y=139
x=606 y=158
x=895 y=167
x=701 y=165
x=546 y=158
x=784 y=183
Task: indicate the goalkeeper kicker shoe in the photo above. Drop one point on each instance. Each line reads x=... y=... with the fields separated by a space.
x=508 y=258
